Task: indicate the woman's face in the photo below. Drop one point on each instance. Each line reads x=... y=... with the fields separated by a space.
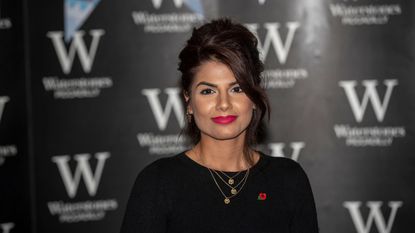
x=220 y=108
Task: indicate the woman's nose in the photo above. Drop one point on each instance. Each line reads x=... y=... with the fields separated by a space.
x=223 y=102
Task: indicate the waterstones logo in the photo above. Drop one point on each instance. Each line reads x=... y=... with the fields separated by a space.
x=164 y=143
x=83 y=87
x=277 y=149
x=370 y=95
x=6 y=227
x=85 y=211
x=354 y=14
x=279 y=45
x=173 y=104
x=81 y=211
x=172 y=22
x=5 y=150
x=69 y=45
x=83 y=170
x=368 y=135
x=375 y=216
x=77 y=47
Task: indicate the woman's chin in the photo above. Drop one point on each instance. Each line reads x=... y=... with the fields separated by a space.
x=225 y=135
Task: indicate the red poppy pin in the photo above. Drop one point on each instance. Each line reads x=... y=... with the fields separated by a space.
x=262 y=196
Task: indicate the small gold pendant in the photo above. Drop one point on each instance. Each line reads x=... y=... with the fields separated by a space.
x=233 y=191
x=231 y=181
x=227 y=201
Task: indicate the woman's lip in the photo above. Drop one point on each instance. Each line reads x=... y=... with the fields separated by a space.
x=224 y=119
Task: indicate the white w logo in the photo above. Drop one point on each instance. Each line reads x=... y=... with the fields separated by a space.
x=273 y=38
x=157 y=3
x=3 y=101
x=277 y=149
x=375 y=215
x=78 y=46
x=83 y=169
x=370 y=94
x=173 y=103
x=6 y=227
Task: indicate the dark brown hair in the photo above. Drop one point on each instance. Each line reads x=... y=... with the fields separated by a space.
x=235 y=46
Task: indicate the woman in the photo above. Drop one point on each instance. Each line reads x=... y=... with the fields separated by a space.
x=222 y=184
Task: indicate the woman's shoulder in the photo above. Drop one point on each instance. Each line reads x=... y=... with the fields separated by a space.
x=161 y=165
x=289 y=171
x=284 y=165
x=280 y=161
x=157 y=172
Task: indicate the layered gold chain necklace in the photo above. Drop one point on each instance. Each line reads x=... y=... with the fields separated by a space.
x=234 y=189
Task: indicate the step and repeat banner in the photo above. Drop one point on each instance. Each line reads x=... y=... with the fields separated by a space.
x=100 y=79
x=14 y=157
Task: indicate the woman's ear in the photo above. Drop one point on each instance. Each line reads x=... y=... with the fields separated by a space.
x=186 y=97
x=189 y=109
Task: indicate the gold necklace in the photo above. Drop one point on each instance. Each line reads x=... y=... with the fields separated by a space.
x=234 y=191
x=227 y=199
x=231 y=180
x=233 y=188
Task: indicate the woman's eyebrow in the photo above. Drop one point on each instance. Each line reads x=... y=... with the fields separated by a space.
x=213 y=85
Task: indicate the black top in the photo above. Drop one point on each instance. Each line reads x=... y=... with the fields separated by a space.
x=177 y=194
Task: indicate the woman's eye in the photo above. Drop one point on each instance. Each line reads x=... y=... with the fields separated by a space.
x=206 y=91
x=237 y=89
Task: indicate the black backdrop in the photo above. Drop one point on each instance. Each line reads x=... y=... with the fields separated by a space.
x=88 y=97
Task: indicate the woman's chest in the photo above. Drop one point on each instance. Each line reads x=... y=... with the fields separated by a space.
x=200 y=207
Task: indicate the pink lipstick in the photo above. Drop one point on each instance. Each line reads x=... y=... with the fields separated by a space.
x=224 y=119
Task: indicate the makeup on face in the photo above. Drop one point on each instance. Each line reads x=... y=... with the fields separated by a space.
x=220 y=108
x=223 y=120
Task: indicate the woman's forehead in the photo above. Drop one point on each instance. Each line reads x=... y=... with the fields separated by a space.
x=214 y=72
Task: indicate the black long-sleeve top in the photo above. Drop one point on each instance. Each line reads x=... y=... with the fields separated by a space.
x=178 y=195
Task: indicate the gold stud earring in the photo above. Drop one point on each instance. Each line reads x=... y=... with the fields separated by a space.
x=189 y=117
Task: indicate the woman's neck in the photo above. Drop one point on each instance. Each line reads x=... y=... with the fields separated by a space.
x=223 y=155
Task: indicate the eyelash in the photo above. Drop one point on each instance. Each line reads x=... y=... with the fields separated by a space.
x=237 y=87
x=204 y=91
x=208 y=91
